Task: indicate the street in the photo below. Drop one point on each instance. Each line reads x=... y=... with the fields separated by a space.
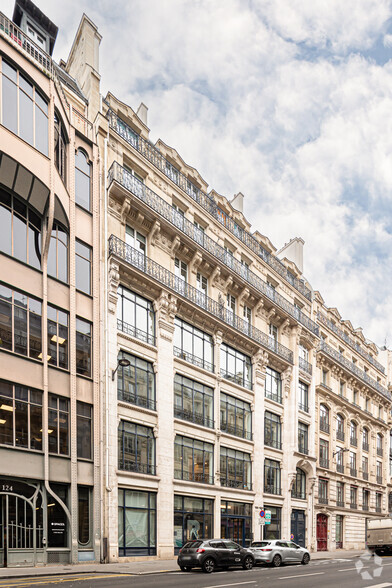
x=357 y=572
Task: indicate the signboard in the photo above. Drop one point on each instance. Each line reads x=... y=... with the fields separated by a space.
x=262 y=522
x=262 y=513
x=267 y=517
x=292 y=537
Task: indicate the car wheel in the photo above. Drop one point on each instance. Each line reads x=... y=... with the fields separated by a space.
x=306 y=559
x=185 y=568
x=208 y=565
x=276 y=561
x=247 y=564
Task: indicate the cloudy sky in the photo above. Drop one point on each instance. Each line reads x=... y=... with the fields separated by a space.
x=287 y=101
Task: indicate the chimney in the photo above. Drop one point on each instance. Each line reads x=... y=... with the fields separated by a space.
x=142 y=113
x=294 y=251
x=238 y=202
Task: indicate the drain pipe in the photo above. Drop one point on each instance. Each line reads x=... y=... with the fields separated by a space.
x=105 y=249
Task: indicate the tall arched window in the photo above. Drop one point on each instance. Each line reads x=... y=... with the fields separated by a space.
x=82 y=180
x=299 y=487
x=365 y=439
x=58 y=253
x=324 y=418
x=379 y=444
x=60 y=147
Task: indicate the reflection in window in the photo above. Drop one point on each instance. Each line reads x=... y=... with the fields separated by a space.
x=58 y=424
x=235 y=366
x=235 y=469
x=136 y=382
x=272 y=430
x=135 y=315
x=299 y=487
x=20 y=234
x=193 y=402
x=192 y=518
x=193 y=460
x=83 y=515
x=83 y=257
x=20 y=323
x=60 y=148
x=136 y=448
x=83 y=347
x=136 y=523
x=58 y=254
x=235 y=416
x=193 y=345
x=20 y=416
x=24 y=110
x=57 y=337
x=82 y=180
x=273 y=385
x=272 y=477
x=84 y=429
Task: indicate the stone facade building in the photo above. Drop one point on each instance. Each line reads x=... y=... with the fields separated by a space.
x=183 y=344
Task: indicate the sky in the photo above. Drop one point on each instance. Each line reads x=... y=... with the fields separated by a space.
x=287 y=101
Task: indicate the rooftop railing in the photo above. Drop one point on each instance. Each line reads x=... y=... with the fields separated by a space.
x=351 y=367
x=353 y=344
x=152 y=154
x=164 y=209
x=163 y=276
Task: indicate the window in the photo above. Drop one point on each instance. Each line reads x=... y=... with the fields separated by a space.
x=193 y=460
x=24 y=110
x=380 y=414
x=235 y=366
x=82 y=180
x=193 y=345
x=353 y=463
x=58 y=418
x=83 y=258
x=339 y=454
x=136 y=448
x=299 y=487
x=57 y=337
x=135 y=239
x=83 y=515
x=324 y=418
x=353 y=497
x=60 y=148
x=324 y=453
x=83 y=347
x=37 y=37
x=365 y=439
x=303 y=438
x=229 y=257
x=272 y=430
x=355 y=397
x=181 y=272
x=379 y=444
x=339 y=427
x=202 y=288
x=57 y=519
x=193 y=402
x=235 y=469
x=58 y=254
x=137 y=527
x=378 y=501
x=273 y=385
x=84 y=429
x=20 y=323
x=303 y=396
x=367 y=405
x=353 y=434
x=379 y=472
x=365 y=499
x=126 y=132
x=340 y=500
x=136 y=382
x=20 y=234
x=230 y=303
x=235 y=416
x=324 y=377
x=248 y=315
x=365 y=467
x=341 y=388
x=20 y=416
x=273 y=531
x=272 y=477
x=171 y=172
x=135 y=315
x=273 y=332
x=178 y=216
x=323 y=491
x=193 y=518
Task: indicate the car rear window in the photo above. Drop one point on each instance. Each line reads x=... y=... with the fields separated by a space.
x=260 y=543
x=191 y=544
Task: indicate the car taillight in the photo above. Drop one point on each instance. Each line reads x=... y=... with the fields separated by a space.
x=200 y=550
x=265 y=549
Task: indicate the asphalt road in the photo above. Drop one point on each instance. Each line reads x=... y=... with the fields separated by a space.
x=347 y=573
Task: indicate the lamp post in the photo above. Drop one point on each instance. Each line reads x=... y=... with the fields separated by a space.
x=121 y=362
x=340 y=450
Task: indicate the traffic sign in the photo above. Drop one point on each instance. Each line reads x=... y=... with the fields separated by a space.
x=262 y=513
x=292 y=537
x=267 y=517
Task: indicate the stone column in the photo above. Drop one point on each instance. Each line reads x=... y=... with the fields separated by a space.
x=259 y=364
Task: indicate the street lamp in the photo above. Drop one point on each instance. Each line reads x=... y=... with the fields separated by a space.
x=121 y=362
x=340 y=450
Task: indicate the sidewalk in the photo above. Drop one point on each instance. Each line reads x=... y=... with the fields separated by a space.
x=137 y=568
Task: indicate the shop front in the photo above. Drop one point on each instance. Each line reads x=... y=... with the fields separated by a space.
x=274 y=529
x=193 y=519
x=236 y=522
x=136 y=523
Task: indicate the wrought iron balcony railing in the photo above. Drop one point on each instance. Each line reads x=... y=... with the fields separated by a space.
x=340 y=435
x=322 y=500
x=165 y=210
x=272 y=489
x=164 y=277
x=125 y=396
x=380 y=451
x=379 y=479
x=226 y=428
x=298 y=495
x=271 y=442
x=324 y=463
x=201 y=478
x=353 y=472
x=243 y=485
x=340 y=503
x=303 y=449
x=365 y=507
x=193 y=417
x=378 y=509
x=354 y=441
x=305 y=365
x=132 y=331
x=365 y=475
x=275 y=397
x=237 y=379
x=340 y=333
x=365 y=446
x=152 y=154
x=303 y=407
x=324 y=425
x=352 y=368
x=133 y=466
x=340 y=468
x=198 y=361
x=353 y=505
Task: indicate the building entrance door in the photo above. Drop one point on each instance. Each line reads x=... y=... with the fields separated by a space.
x=322 y=532
x=298 y=526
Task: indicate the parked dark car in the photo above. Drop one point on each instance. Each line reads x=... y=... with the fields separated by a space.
x=214 y=553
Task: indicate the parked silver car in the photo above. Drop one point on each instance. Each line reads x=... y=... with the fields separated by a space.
x=276 y=552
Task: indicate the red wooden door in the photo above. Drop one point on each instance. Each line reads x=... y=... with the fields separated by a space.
x=322 y=532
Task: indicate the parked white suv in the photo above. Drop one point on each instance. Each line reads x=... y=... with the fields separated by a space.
x=277 y=551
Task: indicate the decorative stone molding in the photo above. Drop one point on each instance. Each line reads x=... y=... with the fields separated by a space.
x=125 y=208
x=155 y=231
x=215 y=276
x=217 y=337
x=228 y=283
x=244 y=296
x=175 y=245
x=287 y=376
x=258 y=309
x=260 y=362
x=113 y=284
x=285 y=327
x=195 y=262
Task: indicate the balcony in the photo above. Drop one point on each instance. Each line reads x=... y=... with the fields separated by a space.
x=365 y=507
x=298 y=495
x=201 y=478
x=354 y=441
x=197 y=361
x=353 y=344
x=365 y=446
x=193 y=417
x=353 y=369
x=365 y=475
x=322 y=500
x=305 y=366
x=270 y=442
x=324 y=425
x=340 y=468
x=303 y=449
x=139 y=468
x=353 y=472
x=324 y=463
x=235 y=484
x=353 y=505
x=270 y=489
x=136 y=333
x=304 y=407
x=237 y=379
x=380 y=451
x=340 y=503
x=379 y=479
x=226 y=428
x=125 y=396
x=162 y=276
x=340 y=435
x=152 y=154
